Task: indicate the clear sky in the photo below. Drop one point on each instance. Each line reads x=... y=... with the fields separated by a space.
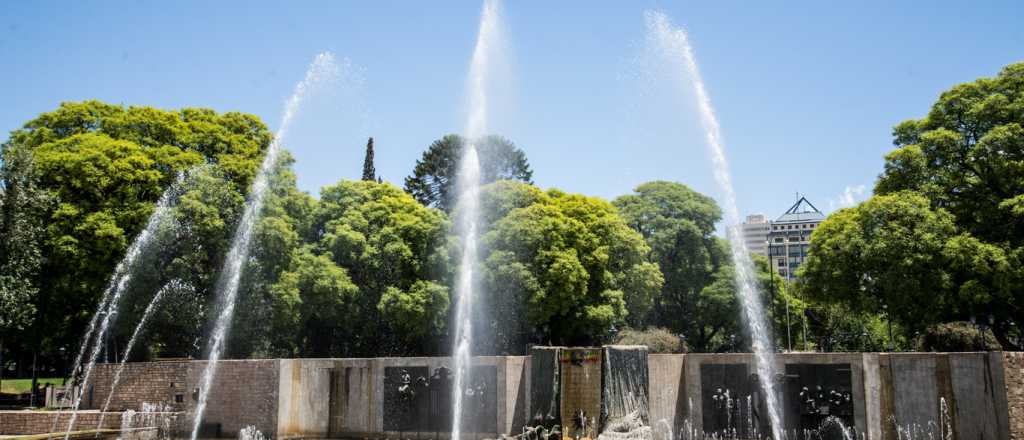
x=806 y=92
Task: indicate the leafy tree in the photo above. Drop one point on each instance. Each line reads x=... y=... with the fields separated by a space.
x=568 y=263
x=886 y=253
x=22 y=208
x=321 y=295
x=960 y=170
x=392 y=249
x=369 y=172
x=433 y=177
x=698 y=298
x=105 y=166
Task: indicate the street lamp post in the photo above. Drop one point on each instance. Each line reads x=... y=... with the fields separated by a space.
x=888 y=319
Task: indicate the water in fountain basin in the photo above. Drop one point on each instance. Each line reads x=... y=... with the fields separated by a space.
x=672 y=45
x=468 y=203
x=119 y=281
x=321 y=70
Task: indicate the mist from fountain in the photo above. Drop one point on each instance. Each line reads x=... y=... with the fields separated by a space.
x=322 y=69
x=486 y=50
x=172 y=286
x=111 y=301
x=672 y=44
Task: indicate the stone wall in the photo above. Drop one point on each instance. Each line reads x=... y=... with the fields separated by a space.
x=1013 y=370
x=581 y=390
x=40 y=422
x=244 y=393
x=668 y=397
x=162 y=382
x=983 y=393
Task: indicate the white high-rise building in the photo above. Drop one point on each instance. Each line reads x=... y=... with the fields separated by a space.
x=790 y=236
x=755 y=233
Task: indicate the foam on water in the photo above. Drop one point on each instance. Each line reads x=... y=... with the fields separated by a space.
x=672 y=45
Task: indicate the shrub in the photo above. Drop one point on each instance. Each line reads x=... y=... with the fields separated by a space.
x=956 y=336
x=657 y=340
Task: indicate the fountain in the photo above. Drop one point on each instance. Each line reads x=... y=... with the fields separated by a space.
x=672 y=44
x=172 y=286
x=468 y=204
x=322 y=68
x=111 y=300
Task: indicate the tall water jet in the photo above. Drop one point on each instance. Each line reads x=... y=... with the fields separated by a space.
x=468 y=203
x=111 y=301
x=172 y=286
x=321 y=69
x=673 y=46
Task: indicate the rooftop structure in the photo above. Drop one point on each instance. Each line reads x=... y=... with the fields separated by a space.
x=790 y=236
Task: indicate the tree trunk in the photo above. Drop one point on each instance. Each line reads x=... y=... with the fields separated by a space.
x=1 y=363
x=1004 y=339
x=35 y=379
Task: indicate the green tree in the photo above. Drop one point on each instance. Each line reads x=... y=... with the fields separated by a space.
x=698 y=298
x=369 y=172
x=105 y=166
x=392 y=249
x=568 y=263
x=432 y=178
x=22 y=208
x=884 y=254
x=961 y=168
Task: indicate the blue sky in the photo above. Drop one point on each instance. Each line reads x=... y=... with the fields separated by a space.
x=806 y=92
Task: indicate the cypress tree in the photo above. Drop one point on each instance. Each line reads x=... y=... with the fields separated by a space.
x=369 y=172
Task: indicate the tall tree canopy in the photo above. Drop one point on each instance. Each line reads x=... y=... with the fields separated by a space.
x=561 y=268
x=952 y=193
x=369 y=171
x=359 y=272
x=105 y=166
x=433 y=178
x=678 y=225
x=22 y=206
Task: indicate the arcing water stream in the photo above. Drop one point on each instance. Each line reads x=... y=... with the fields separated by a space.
x=173 y=286
x=468 y=203
x=323 y=68
x=672 y=45
x=111 y=301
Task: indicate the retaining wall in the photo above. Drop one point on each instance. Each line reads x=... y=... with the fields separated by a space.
x=41 y=422
x=1013 y=371
x=983 y=394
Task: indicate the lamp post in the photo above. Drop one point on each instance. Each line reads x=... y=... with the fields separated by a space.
x=888 y=319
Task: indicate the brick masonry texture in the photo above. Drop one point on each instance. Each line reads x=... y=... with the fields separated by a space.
x=40 y=422
x=144 y=382
x=244 y=393
x=1013 y=369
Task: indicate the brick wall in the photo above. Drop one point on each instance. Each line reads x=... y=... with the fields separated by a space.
x=40 y=422
x=161 y=382
x=244 y=393
x=1013 y=370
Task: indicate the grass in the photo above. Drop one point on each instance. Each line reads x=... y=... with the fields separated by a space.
x=18 y=386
